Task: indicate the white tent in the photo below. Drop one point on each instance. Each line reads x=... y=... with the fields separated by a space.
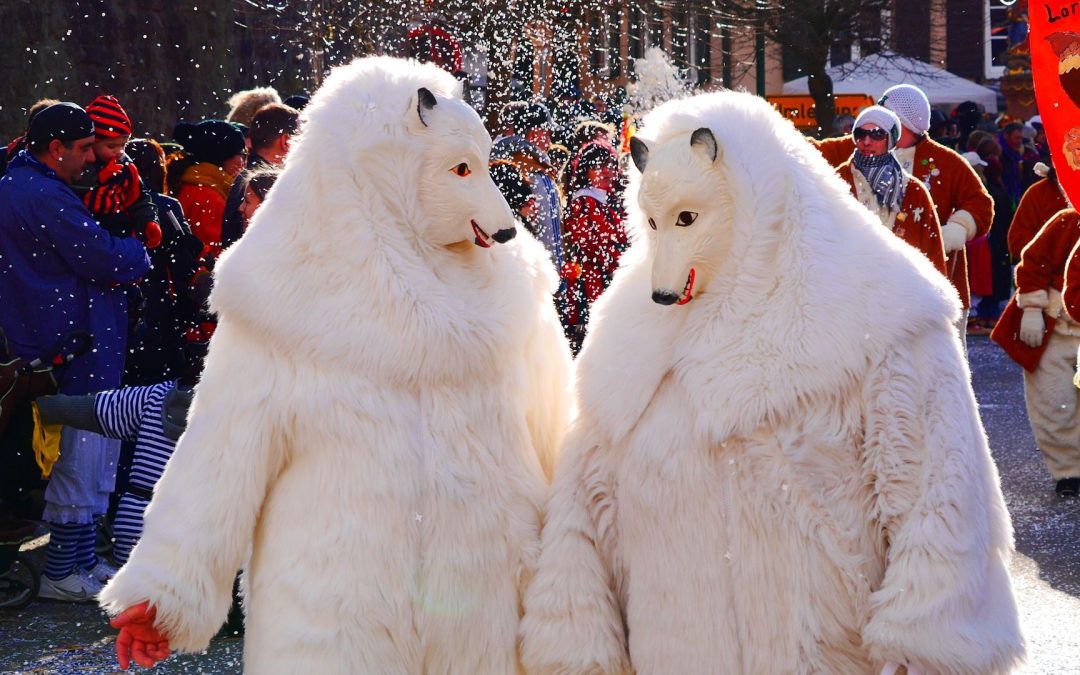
x=876 y=73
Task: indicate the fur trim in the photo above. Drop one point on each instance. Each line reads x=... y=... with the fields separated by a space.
x=965 y=220
x=1033 y=299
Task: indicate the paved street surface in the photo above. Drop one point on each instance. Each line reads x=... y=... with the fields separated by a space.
x=60 y=638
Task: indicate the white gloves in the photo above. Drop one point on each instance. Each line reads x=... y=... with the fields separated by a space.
x=892 y=668
x=1032 y=326
x=954 y=236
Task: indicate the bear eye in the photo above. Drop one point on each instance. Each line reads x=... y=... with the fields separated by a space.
x=685 y=218
x=652 y=223
x=461 y=170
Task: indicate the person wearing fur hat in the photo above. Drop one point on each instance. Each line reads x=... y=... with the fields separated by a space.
x=879 y=183
x=1053 y=402
x=1038 y=205
x=244 y=104
x=214 y=158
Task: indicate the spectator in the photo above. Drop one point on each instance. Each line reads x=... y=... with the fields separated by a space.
x=152 y=417
x=297 y=101
x=595 y=237
x=271 y=130
x=256 y=187
x=112 y=189
x=214 y=156
x=19 y=144
x=529 y=153
x=995 y=276
x=515 y=188
x=244 y=104
x=1018 y=162
x=899 y=201
x=64 y=269
x=156 y=352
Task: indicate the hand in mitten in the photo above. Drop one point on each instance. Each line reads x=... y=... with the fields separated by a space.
x=139 y=640
x=954 y=236
x=1032 y=327
x=151 y=235
x=106 y=173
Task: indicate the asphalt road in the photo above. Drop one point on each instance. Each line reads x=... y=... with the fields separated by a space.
x=61 y=638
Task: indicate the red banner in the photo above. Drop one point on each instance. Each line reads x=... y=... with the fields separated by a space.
x=1055 y=66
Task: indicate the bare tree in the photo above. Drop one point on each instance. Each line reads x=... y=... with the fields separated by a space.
x=811 y=30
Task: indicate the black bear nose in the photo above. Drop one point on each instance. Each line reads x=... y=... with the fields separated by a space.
x=664 y=298
x=503 y=236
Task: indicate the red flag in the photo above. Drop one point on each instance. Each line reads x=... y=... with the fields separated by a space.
x=1055 y=65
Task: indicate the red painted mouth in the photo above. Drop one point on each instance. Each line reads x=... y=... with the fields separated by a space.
x=688 y=289
x=482 y=239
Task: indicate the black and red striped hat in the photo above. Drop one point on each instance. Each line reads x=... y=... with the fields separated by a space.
x=110 y=119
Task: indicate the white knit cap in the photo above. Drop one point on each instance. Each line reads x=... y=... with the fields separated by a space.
x=883 y=118
x=910 y=105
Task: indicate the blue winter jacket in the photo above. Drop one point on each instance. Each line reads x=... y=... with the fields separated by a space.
x=58 y=272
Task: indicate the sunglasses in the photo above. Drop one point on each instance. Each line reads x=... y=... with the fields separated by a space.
x=874 y=134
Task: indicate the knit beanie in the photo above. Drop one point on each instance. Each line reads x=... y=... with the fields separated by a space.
x=910 y=105
x=64 y=121
x=882 y=117
x=211 y=141
x=110 y=119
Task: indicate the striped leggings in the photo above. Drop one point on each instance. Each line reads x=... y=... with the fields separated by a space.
x=128 y=526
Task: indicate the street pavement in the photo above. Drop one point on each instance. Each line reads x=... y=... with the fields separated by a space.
x=61 y=638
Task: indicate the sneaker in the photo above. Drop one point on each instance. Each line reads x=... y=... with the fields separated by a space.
x=1068 y=487
x=102 y=571
x=75 y=587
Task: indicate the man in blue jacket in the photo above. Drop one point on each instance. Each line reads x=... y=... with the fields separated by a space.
x=60 y=271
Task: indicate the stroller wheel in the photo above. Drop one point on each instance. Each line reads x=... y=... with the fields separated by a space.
x=19 y=584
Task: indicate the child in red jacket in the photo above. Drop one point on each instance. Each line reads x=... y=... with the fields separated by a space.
x=111 y=187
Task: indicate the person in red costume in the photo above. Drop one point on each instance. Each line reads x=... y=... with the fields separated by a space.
x=964 y=208
x=901 y=203
x=1038 y=205
x=1053 y=402
x=595 y=237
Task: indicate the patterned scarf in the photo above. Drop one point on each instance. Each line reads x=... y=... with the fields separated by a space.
x=885 y=177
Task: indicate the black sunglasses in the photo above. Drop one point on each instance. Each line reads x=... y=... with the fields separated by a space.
x=874 y=134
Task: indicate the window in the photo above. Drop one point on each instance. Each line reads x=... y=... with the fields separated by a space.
x=702 y=48
x=637 y=32
x=614 y=32
x=997 y=38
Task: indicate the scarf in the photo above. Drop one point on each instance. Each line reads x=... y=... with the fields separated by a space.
x=885 y=177
x=209 y=175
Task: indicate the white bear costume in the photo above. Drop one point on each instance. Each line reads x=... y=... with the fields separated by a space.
x=787 y=474
x=380 y=406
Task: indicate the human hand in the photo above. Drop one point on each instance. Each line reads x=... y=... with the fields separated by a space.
x=1032 y=327
x=953 y=236
x=139 y=640
x=151 y=235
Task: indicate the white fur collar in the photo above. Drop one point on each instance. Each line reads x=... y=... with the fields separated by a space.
x=794 y=317
x=595 y=193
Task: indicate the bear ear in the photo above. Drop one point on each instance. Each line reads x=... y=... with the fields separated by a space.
x=639 y=152
x=425 y=103
x=704 y=141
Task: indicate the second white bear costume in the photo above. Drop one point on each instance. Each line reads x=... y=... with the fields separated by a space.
x=785 y=472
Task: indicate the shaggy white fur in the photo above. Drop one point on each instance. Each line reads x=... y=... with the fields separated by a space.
x=787 y=474
x=380 y=407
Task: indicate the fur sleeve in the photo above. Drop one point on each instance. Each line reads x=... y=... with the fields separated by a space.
x=946 y=602
x=572 y=622
x=548 y=361
x=200 y=524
